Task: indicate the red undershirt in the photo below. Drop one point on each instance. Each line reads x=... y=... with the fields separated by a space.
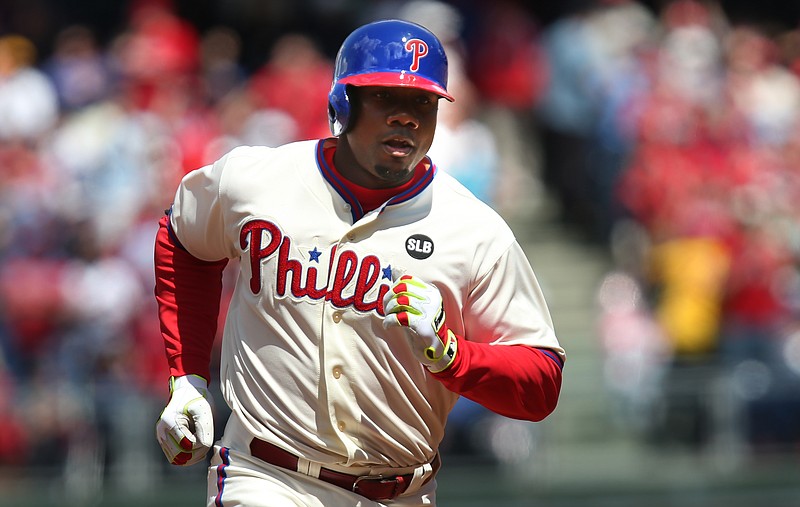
x=515 y=381
x=372 y=198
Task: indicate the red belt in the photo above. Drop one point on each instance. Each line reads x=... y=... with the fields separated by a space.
x=374 y=487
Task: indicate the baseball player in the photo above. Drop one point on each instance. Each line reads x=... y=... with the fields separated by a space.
x=373 y=290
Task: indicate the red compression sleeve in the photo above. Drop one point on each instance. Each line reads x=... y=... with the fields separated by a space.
x=188 y=291
x=515 y=381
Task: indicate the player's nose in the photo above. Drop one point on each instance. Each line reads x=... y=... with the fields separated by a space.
x=404 y=116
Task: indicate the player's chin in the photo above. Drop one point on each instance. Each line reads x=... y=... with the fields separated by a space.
x=394 y=174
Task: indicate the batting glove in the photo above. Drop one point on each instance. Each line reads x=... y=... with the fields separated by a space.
x=185 y=429
x=417 y=307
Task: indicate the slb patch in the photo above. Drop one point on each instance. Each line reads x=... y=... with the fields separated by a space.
x=419 y=246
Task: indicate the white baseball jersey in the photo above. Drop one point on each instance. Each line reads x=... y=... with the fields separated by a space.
x=306 y=363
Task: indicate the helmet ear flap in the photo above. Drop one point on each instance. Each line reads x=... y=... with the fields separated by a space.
x=338 y=109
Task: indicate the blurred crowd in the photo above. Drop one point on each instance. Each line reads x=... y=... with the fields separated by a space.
x=669 y=135
x=679 y=148
x=687 y=128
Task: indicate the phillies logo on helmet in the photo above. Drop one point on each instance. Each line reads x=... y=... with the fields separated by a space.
x=418 y=48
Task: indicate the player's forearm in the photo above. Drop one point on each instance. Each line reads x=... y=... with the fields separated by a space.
x=515 y=380
x=188 y=292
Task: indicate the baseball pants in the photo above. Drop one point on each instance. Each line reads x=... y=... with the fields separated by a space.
x=238 y=479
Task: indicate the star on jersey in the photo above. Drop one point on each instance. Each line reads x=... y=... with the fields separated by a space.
x=387 y=272
x=313 y=255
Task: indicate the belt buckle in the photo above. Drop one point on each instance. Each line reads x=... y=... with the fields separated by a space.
x=379 y=479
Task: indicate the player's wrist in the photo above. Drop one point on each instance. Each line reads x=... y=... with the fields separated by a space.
x=448 y=355
x=191 y=380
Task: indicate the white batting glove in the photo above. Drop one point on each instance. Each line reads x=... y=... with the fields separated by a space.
x=417 y=307
x=185 y=429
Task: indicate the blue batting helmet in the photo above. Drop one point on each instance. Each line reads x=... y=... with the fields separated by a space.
x=386 y=53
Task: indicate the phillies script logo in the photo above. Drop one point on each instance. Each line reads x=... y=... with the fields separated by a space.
x=418 y=48
x=364 y=273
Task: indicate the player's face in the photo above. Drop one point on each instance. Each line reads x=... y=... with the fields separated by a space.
x=393 y=130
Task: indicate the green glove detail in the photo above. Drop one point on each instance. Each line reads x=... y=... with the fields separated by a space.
x=417 y=307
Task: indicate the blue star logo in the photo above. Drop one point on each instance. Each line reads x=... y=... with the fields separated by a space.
x=387 y=272
x=313 y=255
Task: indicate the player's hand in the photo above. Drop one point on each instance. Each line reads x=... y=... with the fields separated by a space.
x=185 y=429
x=417 y=307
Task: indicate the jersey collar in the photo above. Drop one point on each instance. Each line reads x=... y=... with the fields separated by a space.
x=337 y=182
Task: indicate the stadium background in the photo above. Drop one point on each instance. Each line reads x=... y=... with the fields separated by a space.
x=645 y=154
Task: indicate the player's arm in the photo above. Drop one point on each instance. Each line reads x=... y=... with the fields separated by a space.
x=512 y=362
x=516 y=381
x=188 y=291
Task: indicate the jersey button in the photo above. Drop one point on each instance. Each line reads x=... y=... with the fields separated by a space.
x=341 y=425
x=347 y=207
x=337 y=372
x=337 y=317
x=351 y=236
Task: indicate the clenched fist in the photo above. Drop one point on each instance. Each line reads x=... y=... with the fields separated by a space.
x=185 y=429
x=417 y=307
